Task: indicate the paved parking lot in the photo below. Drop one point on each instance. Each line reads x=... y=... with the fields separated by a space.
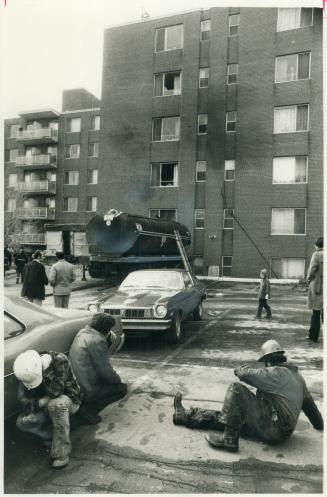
x=137 y=449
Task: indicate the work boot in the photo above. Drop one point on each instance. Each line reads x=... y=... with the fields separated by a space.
x=258 y=316
x=17 y=281
x=227 y=440
x=89 y=416
x=180 y=414
x=269 y=316
x=60 y=463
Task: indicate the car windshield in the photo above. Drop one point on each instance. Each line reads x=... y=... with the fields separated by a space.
x=11 y=327
x=153 y=279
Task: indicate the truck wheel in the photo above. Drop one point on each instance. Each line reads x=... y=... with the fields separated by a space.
x=175 y=330
x=198 y=312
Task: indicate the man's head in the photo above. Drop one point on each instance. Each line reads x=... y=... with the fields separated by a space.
x=319 y=243
x=271 y=353
x=22 y=250
x=38 y=255
x=102 y=322
x=60 y=255
x=263 y=273
x=28 y=369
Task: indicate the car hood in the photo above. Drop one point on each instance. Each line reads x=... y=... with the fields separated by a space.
x=139 y=298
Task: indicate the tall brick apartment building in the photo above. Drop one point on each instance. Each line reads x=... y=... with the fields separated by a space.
x=217 y=113
x=211 y=117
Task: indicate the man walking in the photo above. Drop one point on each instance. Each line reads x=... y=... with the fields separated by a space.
x=89 y=358
x=316 y=289
x=62 y=275
x=20 y=262
x=270 y=415
x=35 y=279
x=49 y=395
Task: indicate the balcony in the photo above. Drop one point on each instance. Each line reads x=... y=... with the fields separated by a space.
x=29 y=238
x=38 y=135
x=36 y=213
x=36 y=187
x=41 y=161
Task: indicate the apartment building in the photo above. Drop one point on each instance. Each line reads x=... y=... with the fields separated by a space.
x=214 y=118
x=51 y=174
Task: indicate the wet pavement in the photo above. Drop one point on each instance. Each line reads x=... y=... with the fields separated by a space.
x=137 y=449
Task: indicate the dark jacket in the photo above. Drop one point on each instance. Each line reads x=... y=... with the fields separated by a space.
x=34 y=280
x=89 y=359
x=57 y=379
x=20 y=261
x=264 y=288
x=315 y=281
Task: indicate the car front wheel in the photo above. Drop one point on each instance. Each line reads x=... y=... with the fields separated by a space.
x=198 y=312
x=175 y=331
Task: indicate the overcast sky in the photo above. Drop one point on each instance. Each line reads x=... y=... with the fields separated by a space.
x=51 y=45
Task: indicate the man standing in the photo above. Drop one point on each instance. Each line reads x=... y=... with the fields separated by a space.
x=89 y=358
x=270 y=415
x=62 y=275
x=34 y=279
x=48 y=392
x=20 y=262
x=315 y=289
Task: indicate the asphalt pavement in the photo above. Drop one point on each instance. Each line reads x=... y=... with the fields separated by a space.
x=137 y=449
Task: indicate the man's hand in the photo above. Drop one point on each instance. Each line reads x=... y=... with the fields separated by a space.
x=43 y=401
x=267 y=296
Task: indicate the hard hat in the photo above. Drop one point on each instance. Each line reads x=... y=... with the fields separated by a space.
x=28 y=369
x=270 y=347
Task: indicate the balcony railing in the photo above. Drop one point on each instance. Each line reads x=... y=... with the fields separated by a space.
x=37 y=160
x=36 y=186
x=29 y=238
x=38 y=134
x=35 y=213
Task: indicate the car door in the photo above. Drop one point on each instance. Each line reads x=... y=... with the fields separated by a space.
x=190 y=293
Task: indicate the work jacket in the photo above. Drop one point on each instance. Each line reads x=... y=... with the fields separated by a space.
x=34 y=280
x=62 y=275
x=89 y=359
x=315 y=281
x=283 y=388
x=264 y=289
x=20 y=261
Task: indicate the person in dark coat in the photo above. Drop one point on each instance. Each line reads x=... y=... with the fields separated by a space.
x=271 y=415
x=35 y=279
x=89 y=358
x=315 y=289
x=20 y=262
x=264 y=295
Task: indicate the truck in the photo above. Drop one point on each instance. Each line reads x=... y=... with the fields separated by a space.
x=119 y=243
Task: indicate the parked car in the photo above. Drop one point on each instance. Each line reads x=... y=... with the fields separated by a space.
x=27 y=326
x=155 y=300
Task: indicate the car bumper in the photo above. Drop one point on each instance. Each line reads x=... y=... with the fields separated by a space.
x=146 y=324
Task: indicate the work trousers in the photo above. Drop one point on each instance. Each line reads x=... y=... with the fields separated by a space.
x=316 y=318
x=58 y=410
x=61 y=301
x=263 y=304
x=243 y=411
x=36 y=301
x=104 y=396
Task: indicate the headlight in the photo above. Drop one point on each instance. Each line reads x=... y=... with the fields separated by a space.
x=93 y=308
x=161 y=311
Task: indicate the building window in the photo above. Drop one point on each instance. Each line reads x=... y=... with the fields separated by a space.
x=51 y=202
x=13 y=130
x=167 y=214
x=293 y=67
x=231 y=121
x=11 y=204
x=199 y=219
x=164 y=174
x=169 y=38
x=291 y=119
x=95 y=123
x=288 y=170
x=204 y=78
x=12 y=180
x=71 y=177
x=228 y=219
x=232 y=74
x=94 y=149
x=166 y=129
x=166 y=84
x=294 y=18
x=92 y=176
x=69 y=204
x=202 y=124
x=287 y=267
x=91 y=204
x=72 y=151
x=226 y=265
x=205 y=30
x=74 y=125
x=285 y=221
x=234 y=23
x=13 y=153
x=229 y=170
x=201 y=168
x=53 y=177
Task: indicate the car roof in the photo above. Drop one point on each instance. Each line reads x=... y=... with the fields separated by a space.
x=169 y=270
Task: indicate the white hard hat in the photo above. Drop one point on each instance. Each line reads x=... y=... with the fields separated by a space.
x=28 y=369
x=270 y=347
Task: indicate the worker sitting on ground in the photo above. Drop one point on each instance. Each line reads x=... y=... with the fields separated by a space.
x=89 y=357
x=271 y=415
